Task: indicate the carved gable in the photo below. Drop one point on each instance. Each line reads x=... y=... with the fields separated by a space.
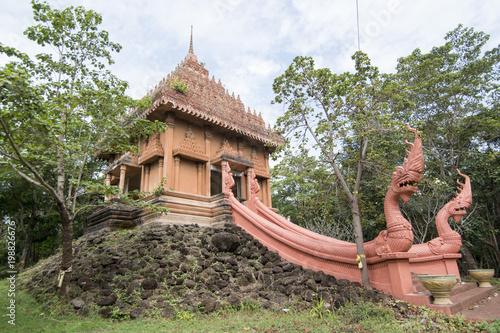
x=190 y=149
x=152 y=151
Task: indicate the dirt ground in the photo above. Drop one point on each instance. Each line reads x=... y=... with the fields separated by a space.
x=487 y=309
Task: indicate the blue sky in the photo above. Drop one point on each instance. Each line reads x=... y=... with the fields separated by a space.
x=246 y=44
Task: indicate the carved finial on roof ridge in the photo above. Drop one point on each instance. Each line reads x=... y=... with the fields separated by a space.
x=249 y=111
x=254 y=112
x=191 y=41
x=260 y=115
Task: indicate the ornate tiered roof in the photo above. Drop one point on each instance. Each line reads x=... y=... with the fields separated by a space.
x=208 y=100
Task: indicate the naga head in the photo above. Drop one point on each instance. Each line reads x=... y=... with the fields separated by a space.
x=406 y=176
x=459 y=205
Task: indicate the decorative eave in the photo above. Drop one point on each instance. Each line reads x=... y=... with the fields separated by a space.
x=227 y=153
x=128 y=159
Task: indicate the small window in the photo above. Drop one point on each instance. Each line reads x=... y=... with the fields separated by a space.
x=237 y=186
x=215 y=182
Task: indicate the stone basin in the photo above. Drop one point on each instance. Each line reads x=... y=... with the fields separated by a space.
x=484 y=276
x=440 y=287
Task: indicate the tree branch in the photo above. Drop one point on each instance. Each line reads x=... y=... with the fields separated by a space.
x=41 y=182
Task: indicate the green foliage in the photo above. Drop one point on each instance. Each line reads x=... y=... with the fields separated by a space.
x=450 y=94
x=160 y=188
x=454 y=96
x=117 y=314
x=453 y=90
x=179 y=85
x=327 y=112
x=34 y=216
x=307 y=194
x=351 y=318
x=318 y=309
x=56 y=108
x=336 y=117
x=248 y=305
x=184 y=315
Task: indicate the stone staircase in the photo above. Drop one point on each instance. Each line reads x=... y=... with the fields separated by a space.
x=463 y=296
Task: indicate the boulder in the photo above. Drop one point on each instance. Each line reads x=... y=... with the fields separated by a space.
x=226 y=242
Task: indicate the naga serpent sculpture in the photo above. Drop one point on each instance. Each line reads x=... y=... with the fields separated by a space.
x=449 y=241
x=399 y=235
x=397 y=238
x=339 y=258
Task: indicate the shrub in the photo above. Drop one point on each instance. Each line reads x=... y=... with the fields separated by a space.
x=179 y=85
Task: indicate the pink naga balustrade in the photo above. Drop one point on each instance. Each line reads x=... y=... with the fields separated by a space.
x=391 y=256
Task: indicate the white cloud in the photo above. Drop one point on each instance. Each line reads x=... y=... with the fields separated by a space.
x=247 y=44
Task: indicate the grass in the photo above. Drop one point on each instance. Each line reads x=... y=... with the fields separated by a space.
x=364 y=317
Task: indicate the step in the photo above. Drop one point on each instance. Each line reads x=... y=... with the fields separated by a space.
x=463 y=296
x=462 y=287
x=468 y=298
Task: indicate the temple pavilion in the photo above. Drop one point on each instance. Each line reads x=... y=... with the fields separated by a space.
x=207 y=127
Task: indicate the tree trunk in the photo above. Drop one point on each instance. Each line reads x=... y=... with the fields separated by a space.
x=494 y=248
x=25 y=253
x=67 y=248
x=360 y=248
x=468 y=260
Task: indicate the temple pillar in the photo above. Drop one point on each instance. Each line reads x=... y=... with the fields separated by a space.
x=208 y=137
x=123 y=171
x=160 y=169
x=248 y=187
x=263 y=190
x=199 y=169
x=243 y=186
x=141 y=187
x=267 y=181
x=107 y=182
x=268 y=192
x=168 y=144
x=223 y=167
x=177 y=171
x=147 y=170
x=398 y=266
x=262 y=184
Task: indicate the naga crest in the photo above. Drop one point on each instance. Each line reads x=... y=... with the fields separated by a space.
x=459 y=205
x=254 y=184
x=228 y=179
x=406 y=176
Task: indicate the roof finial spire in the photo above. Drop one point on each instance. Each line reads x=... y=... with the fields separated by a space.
x=191 y=41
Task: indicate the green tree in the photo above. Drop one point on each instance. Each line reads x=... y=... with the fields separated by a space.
x=454 y=96
x=29 y=207
x=453 y=89
x=326 y=112
x=55 y=109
